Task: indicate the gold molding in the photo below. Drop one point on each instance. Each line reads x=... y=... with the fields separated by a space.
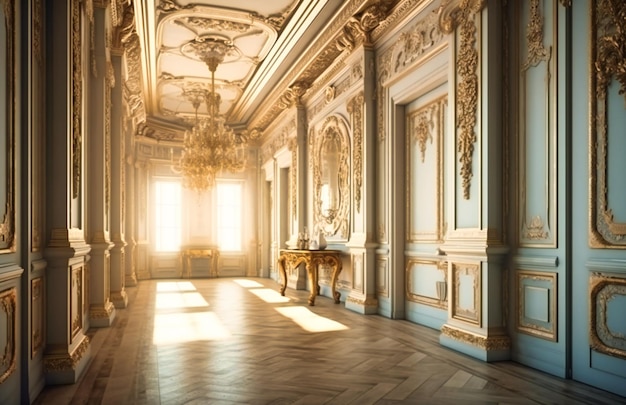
x=468 y=315
x=355 y=108
x=608 y=62
x=292 y=146
x=7 y=134
x=36 y=317
x=423 y=125
x=382 y=276
x=602 y=288
x=132 y=90
x=537 y=229
x=488 y=343
x=76 y=300
x=462 y=14
x=440 y=302
x=8 y=355
x=77 y=97
x=533 y=329
x=66 y=361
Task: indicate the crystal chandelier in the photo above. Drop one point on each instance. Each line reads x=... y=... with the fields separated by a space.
x=210 y=146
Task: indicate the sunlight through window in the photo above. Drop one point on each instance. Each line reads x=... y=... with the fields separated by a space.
x=167 y=221
x=269 y=295
x=229 y=221
x=163 y=286
x=171 y=300
x=248 y=283
x=182 y=327
x=310 y=321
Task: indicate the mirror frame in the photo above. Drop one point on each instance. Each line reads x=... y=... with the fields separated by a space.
x=334 y=127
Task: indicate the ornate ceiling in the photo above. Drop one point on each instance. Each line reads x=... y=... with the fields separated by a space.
x=272 y=50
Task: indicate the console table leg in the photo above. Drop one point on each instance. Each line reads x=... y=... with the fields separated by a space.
x=283 y=273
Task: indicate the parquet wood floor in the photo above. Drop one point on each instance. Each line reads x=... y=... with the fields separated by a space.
x=235 y=341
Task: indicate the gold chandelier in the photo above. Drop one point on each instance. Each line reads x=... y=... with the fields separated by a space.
x=210 y=146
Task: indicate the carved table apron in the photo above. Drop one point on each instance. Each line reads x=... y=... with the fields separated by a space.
x=312 y=259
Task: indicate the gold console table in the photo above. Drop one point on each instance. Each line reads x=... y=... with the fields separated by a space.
x=312 y=259
x=191 y=254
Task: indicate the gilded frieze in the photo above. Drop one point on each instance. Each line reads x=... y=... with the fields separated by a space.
x=608 y=61
x=8 y=313
x=603 y=289
x=463 y=16
x=7 y=125
x=355 y=108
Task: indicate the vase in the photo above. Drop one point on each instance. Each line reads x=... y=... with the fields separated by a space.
x=321 y=241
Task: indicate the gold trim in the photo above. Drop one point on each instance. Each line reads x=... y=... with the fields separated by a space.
x=336 y=222
x=76 y=300
x=469 y=315
x=382 y=276
x=461 y=14
x=66 y=361
x=533 y=329
x=8 y=356
x=537 y=229
x=602 y=289
x=483 y=342
x=440 y=302
x=355 y=108
x=292 y=146
x=423 y=125
x=7 y=134
x=36 y=317
x=608 y=47
x=77 y=97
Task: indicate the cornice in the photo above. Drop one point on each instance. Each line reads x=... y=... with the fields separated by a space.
x=351 y=27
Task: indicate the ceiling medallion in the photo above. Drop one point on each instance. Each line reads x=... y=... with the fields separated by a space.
x=210 y=146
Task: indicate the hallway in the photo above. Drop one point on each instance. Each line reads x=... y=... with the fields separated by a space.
x=227 y=341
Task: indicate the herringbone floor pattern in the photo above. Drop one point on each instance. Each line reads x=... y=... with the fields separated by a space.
x=234 y=341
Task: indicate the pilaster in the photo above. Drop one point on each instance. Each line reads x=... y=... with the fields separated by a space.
x=474 y=243
x=67 y=351
x=362 y=109
x=118 y=178
x=101 y=310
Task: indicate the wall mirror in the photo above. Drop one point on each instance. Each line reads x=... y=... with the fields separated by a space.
x=331 y=152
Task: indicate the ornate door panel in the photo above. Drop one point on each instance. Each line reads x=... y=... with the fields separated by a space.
x=599 y=194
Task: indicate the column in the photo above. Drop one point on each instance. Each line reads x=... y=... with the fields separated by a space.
x=67 y=351
x=118 y=191
x=101 y=309
x=362 y=243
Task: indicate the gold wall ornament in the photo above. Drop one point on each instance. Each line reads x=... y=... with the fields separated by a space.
x=133 y=88
x=36 y=318
x=292 y=146
x=7 y=128
x=76 y=300
x=461 y=15
x=534 y=37
x=566 y=3
x=77 y=97
x=355 y=108
x=66 y=362
x=8 y=353
x=422 y=125
x=498 y=342
x=537 y=282
x=604 y=288
x=608 y=61
x=535 y=229
x=469 y=273
x=331 y=177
